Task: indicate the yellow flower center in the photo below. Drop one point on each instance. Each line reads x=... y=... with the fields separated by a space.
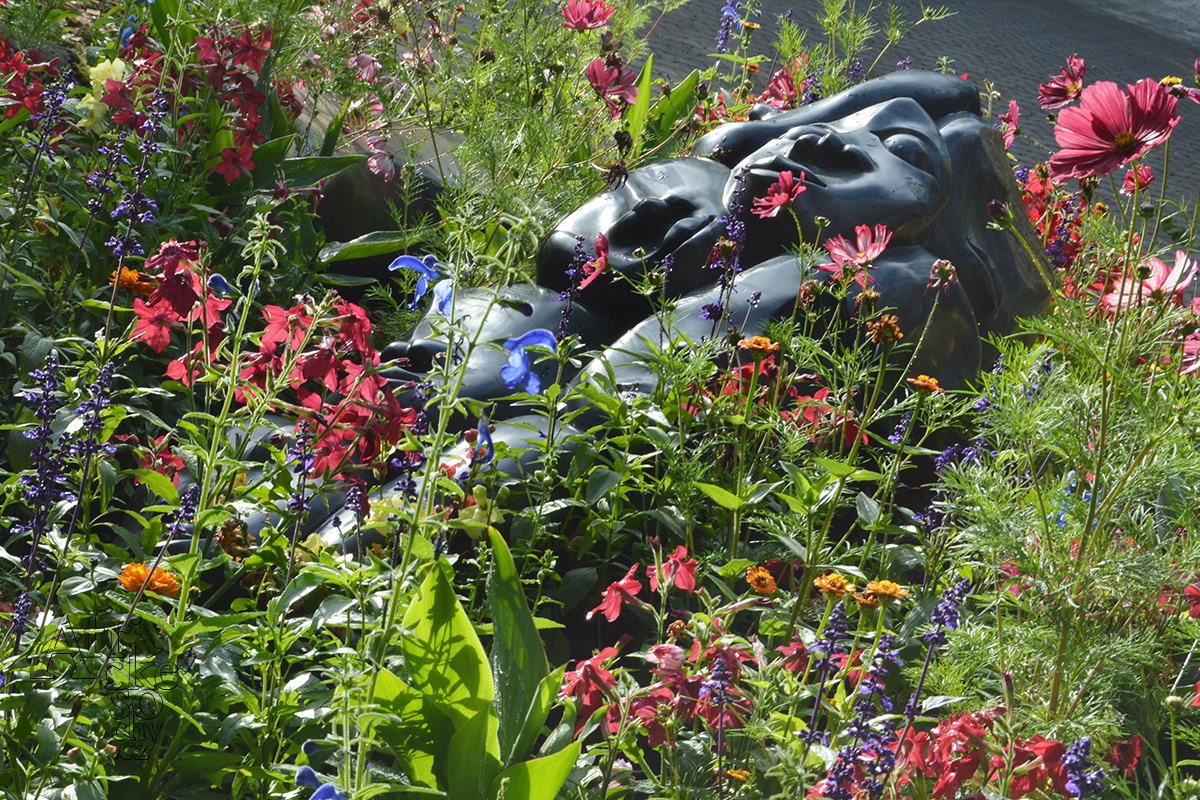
x=1125 y=142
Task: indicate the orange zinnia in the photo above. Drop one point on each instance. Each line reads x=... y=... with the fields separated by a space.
x=833 y=583
x=761 y=580
x=132 y=280
x=134 y=576
x=887 y=591
x=925 y=385
x=759 y=346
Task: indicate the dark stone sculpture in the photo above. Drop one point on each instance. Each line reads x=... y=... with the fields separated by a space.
x=909 y=151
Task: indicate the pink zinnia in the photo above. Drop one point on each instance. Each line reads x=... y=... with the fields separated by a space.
x=1110 y=128
x=1162 y=285
x=585 y=15
x=1011 y=122
x=779 y=194
x=850 y=260
x=1136 y=180
x=1065 y=87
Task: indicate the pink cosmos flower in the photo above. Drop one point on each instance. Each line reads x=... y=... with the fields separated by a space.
x=781 y=90
x=1190 y=363
x=1110 y=128
x=612 y=85
x=779 y=194
x=1162 y=285
x=1136 y=180
x=593 y=268
x=586 y=15
x=365 y=67
x=849 y=260
x=617 y=594
x=1011 y=122
x=1065 y=87
x=378 y=161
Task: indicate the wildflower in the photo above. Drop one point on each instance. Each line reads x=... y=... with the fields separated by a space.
x=761 y=580
x=759 y=347
x=285 y=326
x=426 y=269
x=597 y=265
x=900 y=432
x=378 y=160
x=612 y=85
x=365 y=66
x=305 y=776
x=779 y=194
x=1011 y=122
x=945 y=614
x=781 y=92
x=132 y=280
x=519 y=372
x=885 y=330
x=1065 y=87
x=234 y=163
x=20 y=618
x=739 y=775
x=618 y=593
x=1137 y=180
x=1162 y=285
x=678 y=569
x=833 y=583
x=669 y=657
x=854 y=262
x=134 y=576
x=1110 y=128
x=942 y=275
x=586 y=15
x=729 y=19
x=887 y=591
x=1082 y=781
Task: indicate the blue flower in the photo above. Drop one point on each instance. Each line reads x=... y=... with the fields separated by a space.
x=485 y=449
x=519 y=372
x=324 y=791
x=127 y=32
x=443 y=293
x=426 y=269
x=218 y=284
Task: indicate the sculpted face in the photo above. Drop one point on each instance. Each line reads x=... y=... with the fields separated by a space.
x=885 y=164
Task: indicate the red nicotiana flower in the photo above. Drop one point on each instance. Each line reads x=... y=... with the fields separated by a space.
x=593 y=268
x=234 y=163
x=1110 y=128
x=780 y=195
x=285 y=326
x=154 y=324
x=1011 y=122
x=247 y=52
x=1064 y=87
x=162 y=460
x=618 y=593
x=795 y=656
x=1137 y=180
x=588 y=683
x=678 y=568
x=855 y=261
x=1192 y=594
x=586 y=15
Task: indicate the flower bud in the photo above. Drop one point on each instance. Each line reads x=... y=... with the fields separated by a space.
x=1174 y=702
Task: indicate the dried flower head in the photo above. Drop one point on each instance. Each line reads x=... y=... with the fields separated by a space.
x=676 y=629
x=833 y=583
x=942 y=275
x=761 y=580
x=136 y=575
x=885 y=330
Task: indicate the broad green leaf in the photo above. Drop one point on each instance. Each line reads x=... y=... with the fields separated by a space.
x=518 y=658
x=735 y=568
x=444 y=657
x=794 y=504
x=267 y=158
x=473 y=760
x=838 y=469
x=372 y=244
x=417 y=731
x=538 y=779
x=158 y=483
x=535 y=717
x=676 y=104
x=337 y=279
x=600 y=483
x=636 y=114
x=868 y=510
x=304 y=173
x=330 y=142
x=722 y=497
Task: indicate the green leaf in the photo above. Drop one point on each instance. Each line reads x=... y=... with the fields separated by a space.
x=538 y=779
x=304 y=173
x=158 y=483
x=472 y=761
x=518 y=658
x=794 y=504
x=736 y=567
x=371 y=244
x=444 y=657
x=337 y=279
x=329 y=143
x=675 y=105
x=267 y=158
x=636 y=115
x=868 y=510
x=600 y=483
x=838 y=469
x=169 y=23
x=536 y=715
x=721 y=497
x=417 y=731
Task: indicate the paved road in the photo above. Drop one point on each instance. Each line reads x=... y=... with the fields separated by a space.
x=1015 y=44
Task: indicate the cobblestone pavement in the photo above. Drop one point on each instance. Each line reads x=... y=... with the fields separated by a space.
x=1015 y=44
